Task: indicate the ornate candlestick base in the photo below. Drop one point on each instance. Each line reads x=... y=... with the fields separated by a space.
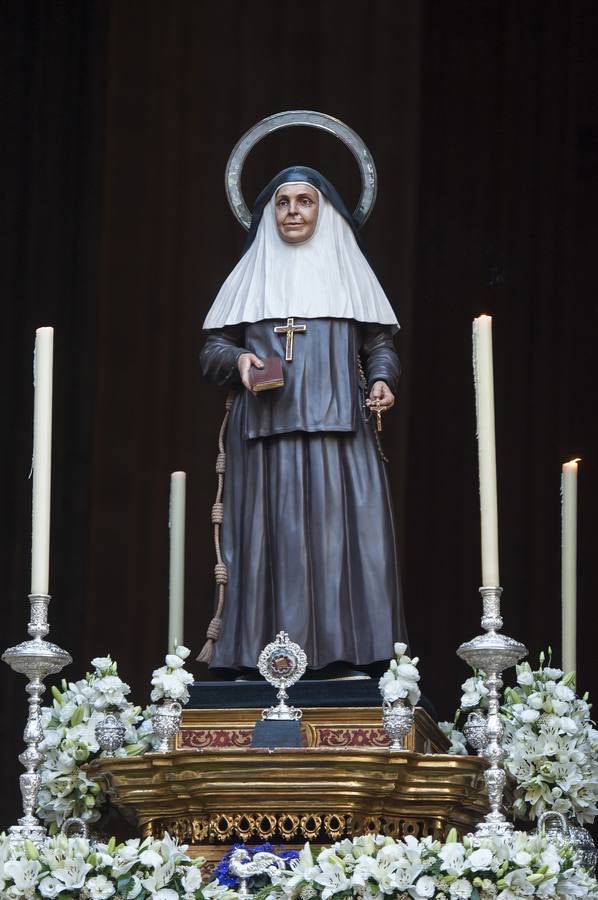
x=36 y=659
x=493 y=653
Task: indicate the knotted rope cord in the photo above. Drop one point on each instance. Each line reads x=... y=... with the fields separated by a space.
x=364 y=384
x=220 y=570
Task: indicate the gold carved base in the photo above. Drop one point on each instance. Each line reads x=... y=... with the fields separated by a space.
x=211 y=797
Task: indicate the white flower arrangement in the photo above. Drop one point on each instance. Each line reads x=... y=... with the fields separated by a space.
x=70 y=742
x=368 y=868
x=374 y=866
x=74 y=868
x=69 y=733
x=171 y=680
x=552 y=745
x=399 y=682
x=551 y=741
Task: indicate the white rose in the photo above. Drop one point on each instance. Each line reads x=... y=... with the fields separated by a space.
x=480 y=859
x=529 y=715
x=393 y=691
x=406 y=670
x=535 y=701
x=564 y=693
x=425 y=886
x=385 y=679
x=150 y=858
x=102 y=663
x=183 y=652
x=471 y=699
x=525 y=678
x=50 y=887
x=100 y=888
x=173 y=661
x=553 y=673
x=461 y=888
x=567 y=725
x=400 y=649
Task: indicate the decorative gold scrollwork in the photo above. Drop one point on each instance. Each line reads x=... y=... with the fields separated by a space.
x=310 y=826
x=266 y=825
x=371 y=825
x=392 y=828
x=288 y=826
x=334 y=826
x=221 y=827
x=200 y=830
x=244 y=826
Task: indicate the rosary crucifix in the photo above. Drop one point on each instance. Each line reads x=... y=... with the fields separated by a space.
x=290 y=329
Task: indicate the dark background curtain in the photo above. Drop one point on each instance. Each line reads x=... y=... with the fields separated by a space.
x=117 y=121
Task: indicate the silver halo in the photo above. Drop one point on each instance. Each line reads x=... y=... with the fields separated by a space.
x=241 y=150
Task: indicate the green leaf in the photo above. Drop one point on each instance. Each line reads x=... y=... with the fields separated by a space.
x=123 y=885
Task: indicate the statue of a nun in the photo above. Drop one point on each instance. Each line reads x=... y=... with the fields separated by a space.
x=307 y=536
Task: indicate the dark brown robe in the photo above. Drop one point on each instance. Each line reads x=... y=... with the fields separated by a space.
x=308 y=535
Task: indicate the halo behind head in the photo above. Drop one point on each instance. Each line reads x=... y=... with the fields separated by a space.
x=236 y=161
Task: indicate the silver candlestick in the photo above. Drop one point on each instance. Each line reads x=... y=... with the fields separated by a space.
x=493 y=653
x=36 y=659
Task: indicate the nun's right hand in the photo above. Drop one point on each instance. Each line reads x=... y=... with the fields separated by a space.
x=244 y=363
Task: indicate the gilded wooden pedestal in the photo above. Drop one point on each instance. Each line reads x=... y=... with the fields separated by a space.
x=212 y=797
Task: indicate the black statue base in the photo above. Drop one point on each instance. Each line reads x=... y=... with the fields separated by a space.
x=303 y=695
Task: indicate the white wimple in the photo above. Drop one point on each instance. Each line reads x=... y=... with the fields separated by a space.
x=326 y=276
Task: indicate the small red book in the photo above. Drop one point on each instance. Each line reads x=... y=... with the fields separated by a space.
x=269 y=377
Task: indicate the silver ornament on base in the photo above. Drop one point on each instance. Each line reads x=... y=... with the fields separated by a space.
x=167 y=722
x=475 y=731
x=110 y=733
x=397 y=718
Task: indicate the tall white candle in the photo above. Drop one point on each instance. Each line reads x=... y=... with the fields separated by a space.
x=176 y=605
x=569 y=564
x=42 y=460
x=484 y=393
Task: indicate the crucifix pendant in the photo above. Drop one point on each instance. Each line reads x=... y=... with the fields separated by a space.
x=290 y=329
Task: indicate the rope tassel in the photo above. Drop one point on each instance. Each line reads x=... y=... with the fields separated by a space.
x=220 y=570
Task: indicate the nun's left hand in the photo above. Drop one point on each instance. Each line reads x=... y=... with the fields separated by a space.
x=381 y=397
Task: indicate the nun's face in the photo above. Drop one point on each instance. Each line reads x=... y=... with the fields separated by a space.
x=296 y=207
